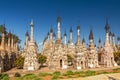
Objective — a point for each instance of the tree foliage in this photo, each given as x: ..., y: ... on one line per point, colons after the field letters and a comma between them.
x: 70, y: 59
x: 116, y: 55
x: 41, y: 58
x: 19, y: 62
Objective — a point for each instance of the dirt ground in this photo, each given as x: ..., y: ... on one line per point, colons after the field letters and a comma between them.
x: 113, y: 76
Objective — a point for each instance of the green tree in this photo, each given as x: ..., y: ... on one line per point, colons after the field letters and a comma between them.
x: 1, y: 28
x: 41, y: 59
x: 19, y: 62
x: 70, y: 59
x: 117, y: 57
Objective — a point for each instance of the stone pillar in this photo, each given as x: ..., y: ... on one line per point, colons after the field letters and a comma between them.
x: 83, y: 42
x: 107, y: 37
x: 16, y: 47
x: 9, y: 35
x: 107, y: 32
x: 59, y: 33
x: 12, y: 44
x: 118, y: 41
x: 65, y: 35
x: 27, y: 39
x: 32, y: 31
x: 78, y: 36
x: 54, y: 37
x: 71, y: 35
x: 51, y: 34
x: 3, y: 39
x: 113, y: 38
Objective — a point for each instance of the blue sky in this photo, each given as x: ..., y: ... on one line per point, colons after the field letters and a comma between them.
x: 16, y: 14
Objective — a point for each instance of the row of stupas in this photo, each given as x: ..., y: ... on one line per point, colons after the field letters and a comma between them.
x: 11, y: 45
x: 8, y: 50
x: 84, y: 56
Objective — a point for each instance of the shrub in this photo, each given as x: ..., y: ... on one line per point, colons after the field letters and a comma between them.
x: 69, y: 73
x: 55, y: 75
x: 19, y: 62
x: 17, y: 74
x: 90, y: 73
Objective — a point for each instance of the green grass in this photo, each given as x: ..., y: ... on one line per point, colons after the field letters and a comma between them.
x: 29, y: 77
x: 4, y: 77
x: 116, y: 69
x: 68, y: 73
x: 104, y: 72
x: 56, y: 75
x: 78, y: 72
x: 90, y: 73
x: 44, y: 74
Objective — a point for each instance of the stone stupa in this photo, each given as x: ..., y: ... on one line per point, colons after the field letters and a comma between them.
x: 31, y: 62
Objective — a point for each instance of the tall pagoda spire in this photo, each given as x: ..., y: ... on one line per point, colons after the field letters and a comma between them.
x: 32, y: 31
x: 65, y: 35
x: 9, y: 38
x: 83, y: 41
x: 107, y: 31
x: 27, y: 39
x: 71, y: 34
x: 78, y: 35
x: 113, y: 36
x: 107, y: 26
x: 51, y: 34
x: 91, y: 38
x: 58, y: 21
x: 91, y: 35
x: 99, y: 43
x: 3, y: 38
x: 110, y: 38
x: 118, y: 39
